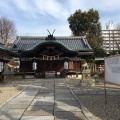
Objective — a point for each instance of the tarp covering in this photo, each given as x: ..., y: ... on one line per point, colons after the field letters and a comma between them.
x: 112, y: 69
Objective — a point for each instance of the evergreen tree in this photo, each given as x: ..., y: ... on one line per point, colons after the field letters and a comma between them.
x: 86, y: 23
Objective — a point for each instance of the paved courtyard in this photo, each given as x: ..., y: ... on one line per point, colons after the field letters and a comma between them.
x: 45, y: 99
x: 51, y: 99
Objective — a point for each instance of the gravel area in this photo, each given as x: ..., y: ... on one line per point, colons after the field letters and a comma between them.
x: 101, y: 111
x: 96, y: 103
x: 11, y: 88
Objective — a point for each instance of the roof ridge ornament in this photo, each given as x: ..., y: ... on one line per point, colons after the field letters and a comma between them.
x: 50, y: 36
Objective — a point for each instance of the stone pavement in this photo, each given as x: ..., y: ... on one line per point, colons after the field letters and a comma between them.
x: 45, y: 99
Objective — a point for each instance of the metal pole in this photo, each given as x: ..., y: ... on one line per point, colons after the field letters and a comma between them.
x: 105, y: 93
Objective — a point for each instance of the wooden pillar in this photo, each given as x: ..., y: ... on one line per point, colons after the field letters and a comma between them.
x: 20, y: 64
x: 68, y: 65
x: 55, y: 74
x: 24, y: 70
x: 76, y: 64
x: 2, y: 76
x: 95, y: 68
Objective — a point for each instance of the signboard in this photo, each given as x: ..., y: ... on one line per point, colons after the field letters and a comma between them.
x: 112, y: 69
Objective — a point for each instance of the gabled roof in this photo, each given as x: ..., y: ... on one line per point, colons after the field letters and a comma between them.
x: 74, y: 43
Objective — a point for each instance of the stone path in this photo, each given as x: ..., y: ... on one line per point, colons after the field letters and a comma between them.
x: 45, y: 99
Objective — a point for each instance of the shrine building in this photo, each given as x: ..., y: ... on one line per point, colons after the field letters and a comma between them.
x: 59, y: 56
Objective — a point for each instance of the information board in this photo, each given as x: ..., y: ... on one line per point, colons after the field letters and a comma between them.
x: 112, y: 69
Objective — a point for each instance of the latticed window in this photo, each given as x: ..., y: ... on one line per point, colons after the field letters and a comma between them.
x: 1, y: 66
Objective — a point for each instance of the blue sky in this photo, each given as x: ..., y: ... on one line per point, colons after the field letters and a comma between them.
x: 34, y: 17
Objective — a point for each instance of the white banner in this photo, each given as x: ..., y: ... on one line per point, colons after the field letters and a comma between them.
x: 112, y: 69
x: 65, y: 65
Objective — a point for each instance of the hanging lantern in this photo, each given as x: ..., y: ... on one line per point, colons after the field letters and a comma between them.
x: 34, y: 67
x: 65, y: 65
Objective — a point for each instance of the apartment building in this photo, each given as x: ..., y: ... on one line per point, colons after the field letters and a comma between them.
x: 111, y: 38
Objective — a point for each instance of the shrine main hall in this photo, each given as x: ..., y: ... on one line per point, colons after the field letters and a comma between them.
x: 52, y: 54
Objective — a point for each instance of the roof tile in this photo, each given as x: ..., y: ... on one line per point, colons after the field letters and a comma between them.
x: 74, y: 43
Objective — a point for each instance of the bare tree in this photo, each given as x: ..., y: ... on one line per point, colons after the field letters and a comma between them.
x: 7, y: 31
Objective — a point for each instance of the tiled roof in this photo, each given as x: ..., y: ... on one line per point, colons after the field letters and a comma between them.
x: 5, y: 50
x: 74, y: 43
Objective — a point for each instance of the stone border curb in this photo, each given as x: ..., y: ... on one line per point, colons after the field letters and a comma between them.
x: 84, y: 110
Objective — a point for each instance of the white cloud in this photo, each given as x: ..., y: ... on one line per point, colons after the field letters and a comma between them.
x: 35, y: 8
x: 21, y: 4
x: 104, y: 5
x: 107, y: 5
x: 26, y: 8
x: 60, y: 30
x: 5, y: 9
x: 75, y: 5
x: 51, y: 7
x: 108, y: 9
x: 38, y: 15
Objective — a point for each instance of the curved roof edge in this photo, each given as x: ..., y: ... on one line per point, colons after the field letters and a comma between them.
x: 36, y: 47
x: 54, y: 36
